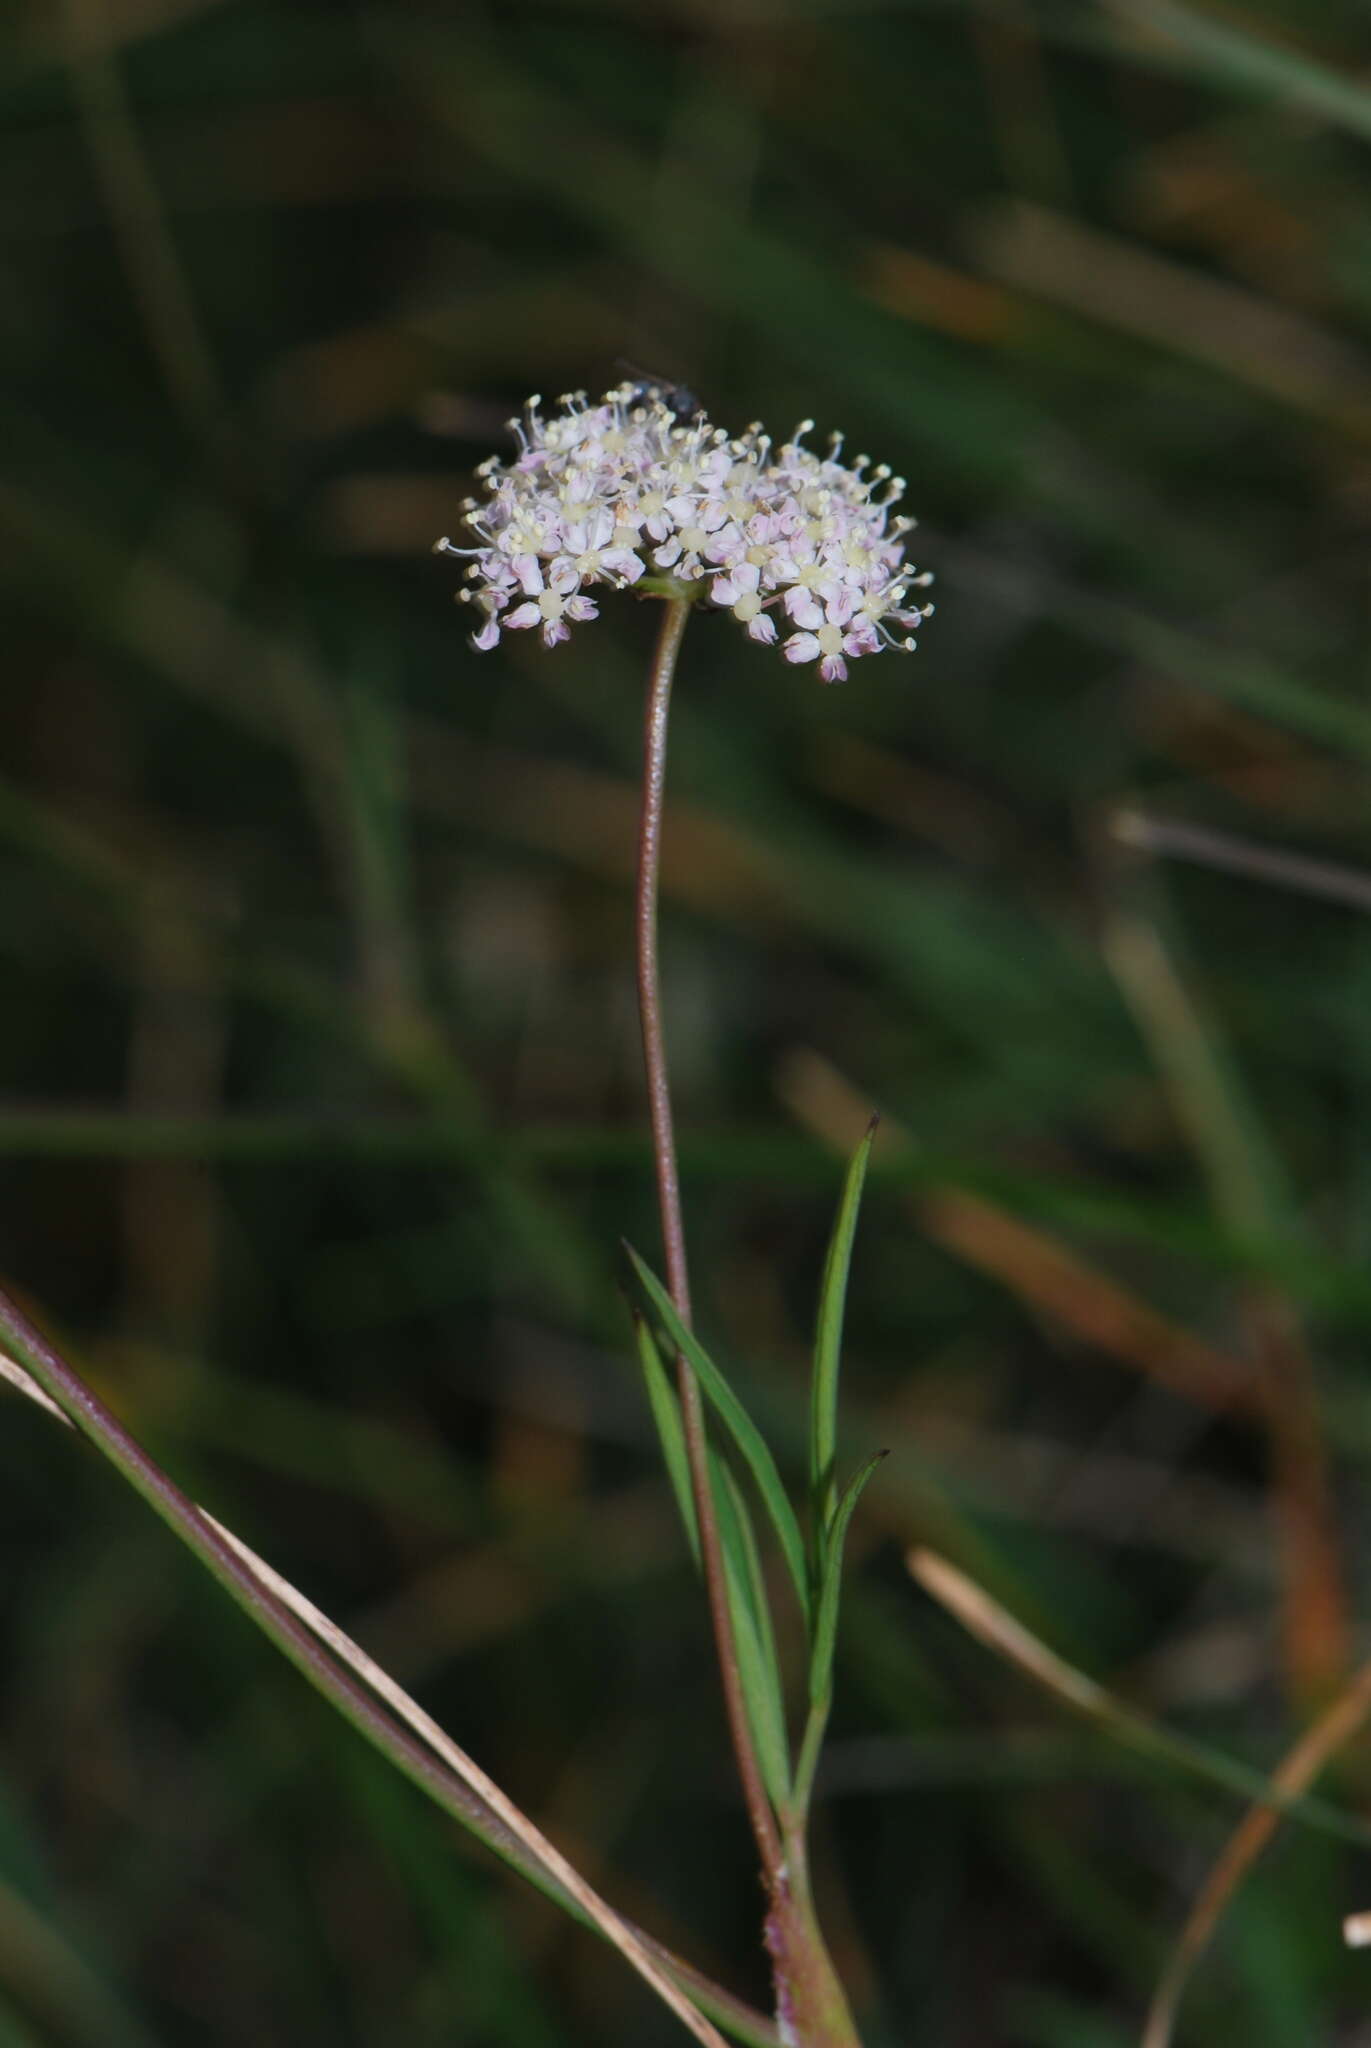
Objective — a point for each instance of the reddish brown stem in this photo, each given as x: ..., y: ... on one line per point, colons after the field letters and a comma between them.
x: 677, y: 611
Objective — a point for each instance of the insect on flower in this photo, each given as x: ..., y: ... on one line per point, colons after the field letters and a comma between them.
x: 644, y: 388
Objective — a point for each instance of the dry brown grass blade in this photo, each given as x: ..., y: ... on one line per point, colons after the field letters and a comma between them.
x: 983, y: 1616
x: 1292, y: 1778
x: 20, y: 1381
x: 1335, y: 881
x: 457, y: 1760
x: 447, y: 1751
x: 994, y: 1626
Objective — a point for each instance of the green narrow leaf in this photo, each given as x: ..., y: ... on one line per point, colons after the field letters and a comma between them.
x: 753, y: 1641
x: 721, y: 1473
x: 666, y: 1414
x: 826, y: 1617
x: 744, y: 1431
x: 828, y: 1338
x: 825, y: 1637
x: 749, y: 1610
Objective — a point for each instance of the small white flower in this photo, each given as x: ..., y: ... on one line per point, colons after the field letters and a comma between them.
x: 701, y: 535
x: 592, y: 554
x: 831, y: 638
x: 550, y: 604
x: 740, y: 591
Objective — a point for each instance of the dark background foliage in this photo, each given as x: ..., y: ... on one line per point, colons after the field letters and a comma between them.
x: 321, y: 1103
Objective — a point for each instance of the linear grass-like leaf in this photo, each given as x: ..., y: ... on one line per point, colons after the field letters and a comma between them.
x: 760, y: 1605
x: 666, y: 1414
x: 750, y: 1442
x: 830, y: 1587
x: 749, y: 1610
x: 753, y: 1639
x: 828, y: 1339
x: 826, y: 1636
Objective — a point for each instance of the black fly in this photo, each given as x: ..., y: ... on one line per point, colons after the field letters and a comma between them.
x: 645, y: 389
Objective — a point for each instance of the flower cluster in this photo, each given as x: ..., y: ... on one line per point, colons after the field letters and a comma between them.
x: 613, y: 492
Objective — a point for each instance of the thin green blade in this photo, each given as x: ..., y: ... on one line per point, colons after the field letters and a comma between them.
x: 830, y: 1588
x: 666, y: 1414
x: 828, y: 1338
x: 754, y: 1642
x: 739, y: 1424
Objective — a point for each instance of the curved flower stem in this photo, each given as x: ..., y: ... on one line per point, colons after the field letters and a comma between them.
x: 675, y: 615
x: 764, y: 1828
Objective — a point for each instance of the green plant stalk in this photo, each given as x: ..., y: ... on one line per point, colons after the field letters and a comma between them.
x: 811, y: 2006
x: 812, y: 2011
x: 84, y: 1409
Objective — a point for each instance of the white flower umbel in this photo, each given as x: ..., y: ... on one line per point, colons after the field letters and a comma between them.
x: 612, y: 492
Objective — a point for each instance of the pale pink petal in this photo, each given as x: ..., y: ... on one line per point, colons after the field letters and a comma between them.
x: 799, y: 647
x: 622, y: 562
x: 727, y: 541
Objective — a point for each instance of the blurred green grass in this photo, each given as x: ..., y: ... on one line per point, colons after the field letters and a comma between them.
x: 321, y: 1112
